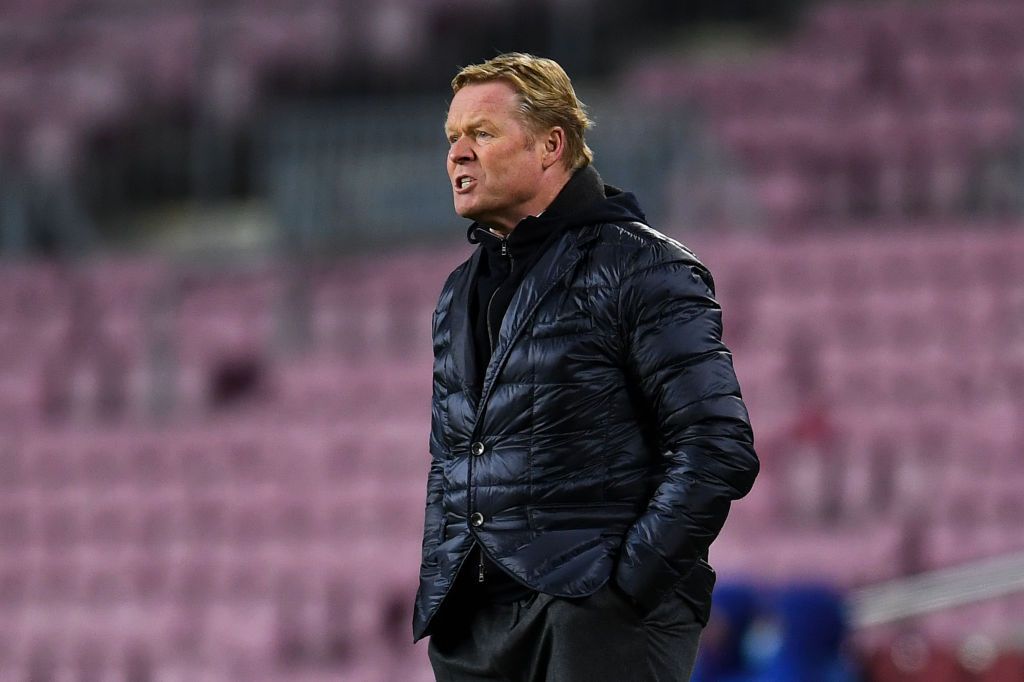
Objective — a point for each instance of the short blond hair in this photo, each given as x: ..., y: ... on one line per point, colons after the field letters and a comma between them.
x: 546, y: 97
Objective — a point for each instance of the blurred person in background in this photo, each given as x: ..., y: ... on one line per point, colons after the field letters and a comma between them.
x: 811, y: 631
x: 723, y: 655
x: 588, y: 433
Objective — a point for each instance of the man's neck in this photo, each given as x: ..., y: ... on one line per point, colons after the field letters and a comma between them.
x: 536, y: 207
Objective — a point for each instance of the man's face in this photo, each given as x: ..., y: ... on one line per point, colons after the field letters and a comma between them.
x: 494, y: 164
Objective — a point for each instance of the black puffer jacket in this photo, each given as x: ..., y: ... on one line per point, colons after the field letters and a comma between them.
x: 609, y: 435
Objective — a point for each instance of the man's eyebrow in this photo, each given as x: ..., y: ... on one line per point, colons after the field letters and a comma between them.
x: 471, y: 125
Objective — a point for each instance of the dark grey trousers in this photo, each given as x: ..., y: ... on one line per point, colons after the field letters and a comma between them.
x: 551, y: 639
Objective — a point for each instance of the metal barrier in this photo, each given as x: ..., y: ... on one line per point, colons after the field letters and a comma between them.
x: 937, y: 590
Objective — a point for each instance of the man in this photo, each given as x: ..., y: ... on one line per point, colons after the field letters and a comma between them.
x: 588, y: 433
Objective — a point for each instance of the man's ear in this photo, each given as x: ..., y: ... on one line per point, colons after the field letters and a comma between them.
x: 554, y: 146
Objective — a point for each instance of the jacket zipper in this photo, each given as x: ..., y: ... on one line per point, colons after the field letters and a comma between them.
x: 511, y: 268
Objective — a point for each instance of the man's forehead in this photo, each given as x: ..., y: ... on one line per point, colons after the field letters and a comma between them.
x: 476, y: 121
x: 481, y: 101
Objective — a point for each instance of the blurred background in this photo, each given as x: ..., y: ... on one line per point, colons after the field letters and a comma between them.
x: 223, y: 227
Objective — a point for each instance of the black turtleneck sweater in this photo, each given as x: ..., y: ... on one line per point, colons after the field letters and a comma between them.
x: 584, y: 200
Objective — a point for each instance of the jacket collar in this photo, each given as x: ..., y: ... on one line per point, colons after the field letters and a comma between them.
x: 583, y: 190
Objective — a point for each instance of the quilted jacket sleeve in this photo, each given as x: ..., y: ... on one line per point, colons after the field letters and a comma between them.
x: 672, y: 327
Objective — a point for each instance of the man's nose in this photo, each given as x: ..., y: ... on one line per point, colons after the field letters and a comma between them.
x: 460, y: 151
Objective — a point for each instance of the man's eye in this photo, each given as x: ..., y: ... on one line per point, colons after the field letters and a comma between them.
x: 452, y: 139
x: 482, y: 133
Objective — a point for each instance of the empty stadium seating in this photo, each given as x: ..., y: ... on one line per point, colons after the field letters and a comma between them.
x: 217, y: 472
x: 870, y: 111
x: 878, y: 369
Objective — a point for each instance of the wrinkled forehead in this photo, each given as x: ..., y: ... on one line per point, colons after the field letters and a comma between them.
x: 494, y: 101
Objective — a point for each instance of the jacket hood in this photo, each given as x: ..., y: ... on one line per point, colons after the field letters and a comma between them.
x: 616, y: 207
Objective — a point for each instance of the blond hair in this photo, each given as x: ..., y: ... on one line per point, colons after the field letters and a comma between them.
x: 546, y: 98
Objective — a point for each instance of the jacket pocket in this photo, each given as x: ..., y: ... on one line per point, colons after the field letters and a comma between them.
x: 577, y: 322
x: 575, y: 516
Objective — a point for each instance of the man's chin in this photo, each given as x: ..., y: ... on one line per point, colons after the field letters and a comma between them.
x: 466, y: 212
